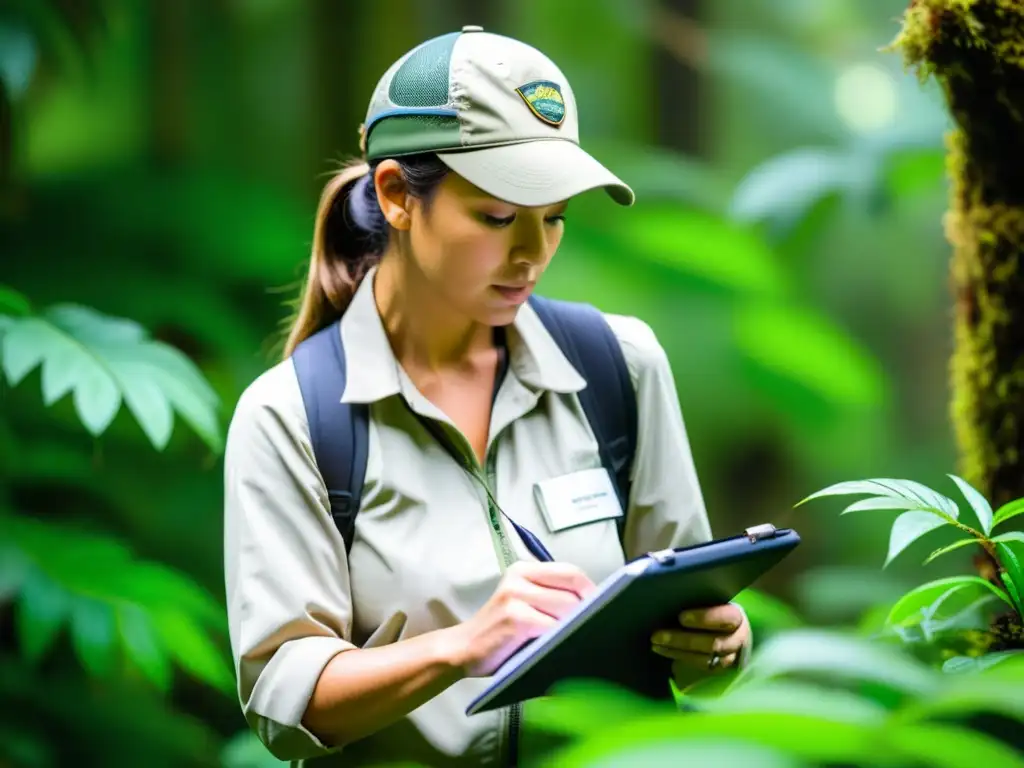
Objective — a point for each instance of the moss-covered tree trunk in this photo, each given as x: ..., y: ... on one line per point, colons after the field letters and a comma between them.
x: 975, y: 50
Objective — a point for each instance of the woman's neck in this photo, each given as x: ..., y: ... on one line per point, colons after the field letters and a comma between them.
x: 425, y: 333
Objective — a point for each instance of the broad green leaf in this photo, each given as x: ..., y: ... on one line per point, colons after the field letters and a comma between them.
x: 804, y: 346
x: 582, y: 707
x: 692, y: 751
x: 968, y: 694
x: 93, y: 634
x: 185, y: 389
x: 834, y: 742
x: 13, y: 303
x: 929, y: 497
x: 957, y: 611
x: 960, y: 664
x: 176, y: 590
x: 1013, y: 577
x: 1007, y: 511
x: 143, y: 646
x: 42, y: 610
x: 147, y: 402
x: 104, y: 567
x: 905, y: 494
x: 767, y: 612
x: 949, y: 548
x: 886, y: 503
x: 792, y: 697
x: 908, y: 609
x: 949, y: 746
x: 982, y: 509
x: 833, y: 654
x: 99, y: 329
x: 96, y: 398
x: 193, y: 650
x: 783, y: 189
x: 24, y: 346
x: 908, y: 528
x: 105, y: 360
x: 704, y: 245
x: 1012, y: 536
x: 66, y: 365
x: 93, y: 577
x: 176, y: 367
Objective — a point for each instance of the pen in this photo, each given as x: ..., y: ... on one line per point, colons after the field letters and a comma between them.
x: 532, y: 543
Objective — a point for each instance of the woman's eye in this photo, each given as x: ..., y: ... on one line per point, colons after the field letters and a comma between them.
x: 494, y: 221
x: 556, y: 219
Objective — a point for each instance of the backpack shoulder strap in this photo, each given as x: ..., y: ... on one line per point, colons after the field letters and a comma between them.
x: 608, y: 400
x: 338, y: 431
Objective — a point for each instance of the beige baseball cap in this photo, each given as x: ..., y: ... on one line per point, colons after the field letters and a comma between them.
x: 496, y: 111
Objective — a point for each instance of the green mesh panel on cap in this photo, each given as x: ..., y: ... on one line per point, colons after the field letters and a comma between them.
x: 410, y: 134
x: 422, y: 79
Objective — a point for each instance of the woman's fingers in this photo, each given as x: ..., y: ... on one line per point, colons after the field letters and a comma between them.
x: 554, y: 602
x: 718, y: 618
x: 704, y: 643
x: 553, y: 576
x: 695, y: 660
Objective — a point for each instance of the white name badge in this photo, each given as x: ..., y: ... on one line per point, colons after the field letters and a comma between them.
x: 577, y: 499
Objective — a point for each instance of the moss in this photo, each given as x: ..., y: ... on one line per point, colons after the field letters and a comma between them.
x: 975, y: 51
x: 935, y: 30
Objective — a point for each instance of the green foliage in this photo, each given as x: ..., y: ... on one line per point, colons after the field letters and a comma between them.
x: 807, y: 698
x: 108, y: 598
x: 124, y: 617
x: 190, y: 225
x: 950, y: 604
x: 105, y: 362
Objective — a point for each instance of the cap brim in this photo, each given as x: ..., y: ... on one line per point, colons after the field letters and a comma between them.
x: 536, y: 173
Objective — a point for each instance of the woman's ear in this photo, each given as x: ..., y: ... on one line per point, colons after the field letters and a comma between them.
x: 393, y: 194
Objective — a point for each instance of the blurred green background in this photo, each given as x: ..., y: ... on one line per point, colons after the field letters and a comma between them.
x: 162, y: 159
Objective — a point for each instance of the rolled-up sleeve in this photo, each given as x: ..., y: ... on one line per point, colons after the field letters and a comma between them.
x: 286, y: 572
x: 666, y: 504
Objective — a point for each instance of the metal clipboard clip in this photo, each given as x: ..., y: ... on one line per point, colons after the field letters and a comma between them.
x: 758, y: 532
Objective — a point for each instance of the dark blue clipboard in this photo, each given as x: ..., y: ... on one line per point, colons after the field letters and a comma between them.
x: 608, y: 635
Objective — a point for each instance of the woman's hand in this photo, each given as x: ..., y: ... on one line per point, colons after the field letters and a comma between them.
x: 711, y: 639
x: 530, y: 599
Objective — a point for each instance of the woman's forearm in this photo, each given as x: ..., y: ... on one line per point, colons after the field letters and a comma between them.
x: 362, y: 691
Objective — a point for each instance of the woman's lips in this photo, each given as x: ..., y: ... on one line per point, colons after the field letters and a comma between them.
x: 515, y: 294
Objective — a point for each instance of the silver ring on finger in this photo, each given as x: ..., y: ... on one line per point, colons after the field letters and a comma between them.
x: 714, y: 661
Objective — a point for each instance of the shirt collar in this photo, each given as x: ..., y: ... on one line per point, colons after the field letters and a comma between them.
x: 373, y: 372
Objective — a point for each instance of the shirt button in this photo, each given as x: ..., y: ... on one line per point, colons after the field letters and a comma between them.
x: 472, y: 28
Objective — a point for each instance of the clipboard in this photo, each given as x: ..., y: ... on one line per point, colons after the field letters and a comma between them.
x: 608, y: 635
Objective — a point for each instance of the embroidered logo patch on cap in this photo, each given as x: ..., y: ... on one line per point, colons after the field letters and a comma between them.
x: 545, y: 100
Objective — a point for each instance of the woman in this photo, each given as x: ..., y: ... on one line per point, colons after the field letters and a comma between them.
x: 371, y: 655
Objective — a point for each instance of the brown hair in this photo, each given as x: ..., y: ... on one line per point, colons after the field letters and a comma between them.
x: 349, y: 237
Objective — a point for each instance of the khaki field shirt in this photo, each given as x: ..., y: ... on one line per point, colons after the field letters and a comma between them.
x: 429, y: 549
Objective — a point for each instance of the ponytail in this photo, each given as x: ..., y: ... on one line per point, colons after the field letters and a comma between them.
x: 340, y: 256
x: 349, y: 237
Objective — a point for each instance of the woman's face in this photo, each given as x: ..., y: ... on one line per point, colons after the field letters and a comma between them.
x: 481, y: 255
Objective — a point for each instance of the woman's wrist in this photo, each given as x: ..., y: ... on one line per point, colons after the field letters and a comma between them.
x: 451, y: 650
